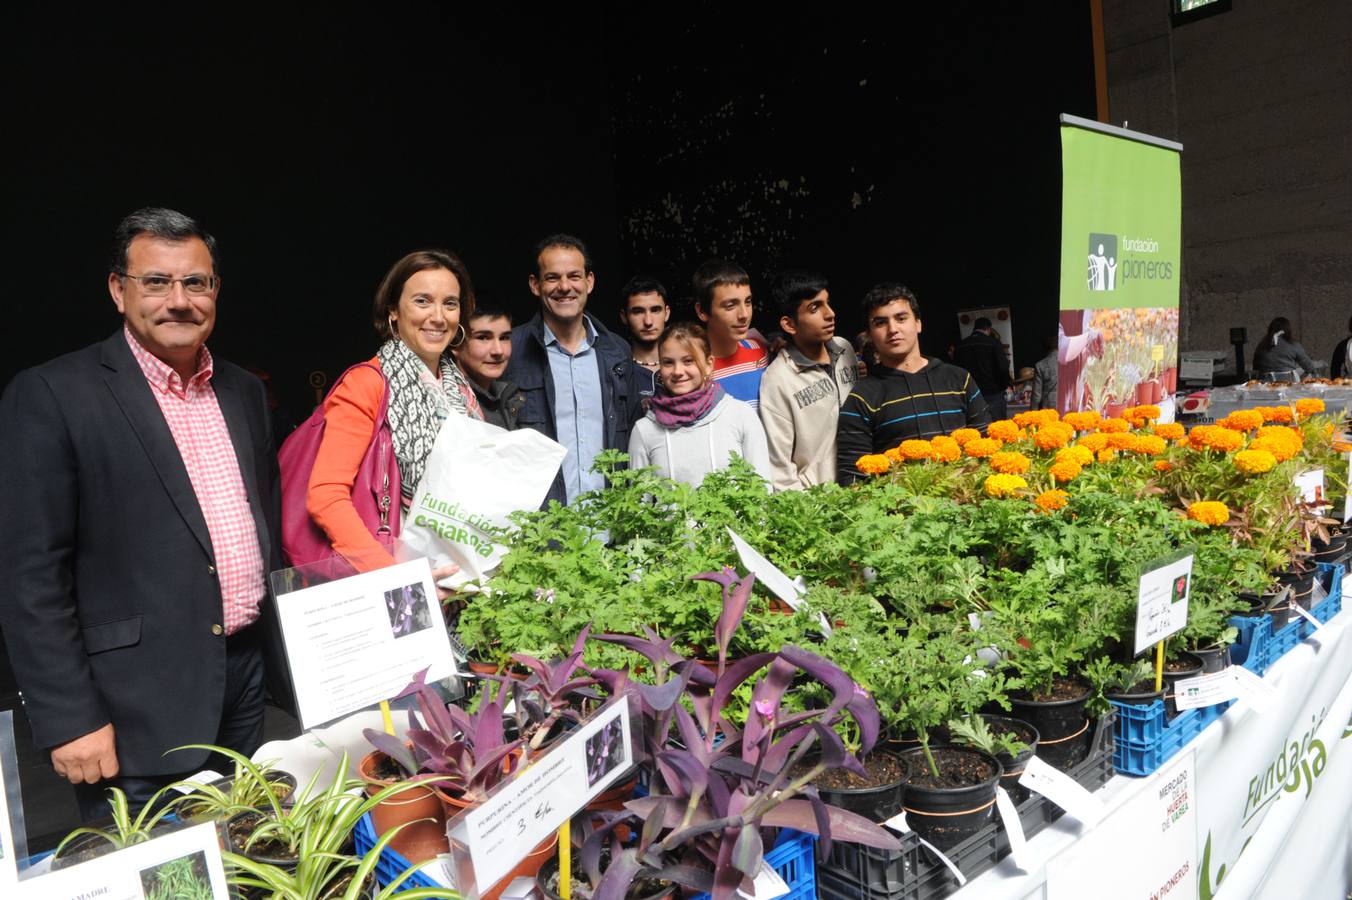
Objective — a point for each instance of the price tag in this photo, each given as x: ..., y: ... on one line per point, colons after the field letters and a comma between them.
x: 1253, y: 690
x: 898, y: 823
x: 1205, y: 690
x: 1062, y: 790
x: 1162, y: 598
x: 1013, y: 827
x: 1157, y: 352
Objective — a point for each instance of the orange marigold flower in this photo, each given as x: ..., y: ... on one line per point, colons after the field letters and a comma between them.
x: 1113, y: 426
x: 1036, y: 418
x: 1093, y: 442
x: 1163, y: 465
x: 914, y: 449
x: 1064, y: 470
x: 1242, y: 420
x: 1147, y: 411
x: 894, y: 454
x: 946, y: 449
x: 1283, y: 433
x: 1170, y: 431
x: 981, y: 447
x: 1281, y: 449
x: 1342, y: 447
x: 1254, y: 462
x: 1212, y: 437
x: 1082, y: 421
x: 1048, y: 501
x: 873, y: 464
x: 1004, y: 430
x: 1010, y: 462
x: 1107, y: 455
x: 1148, y: 444
x: 963, y: 435
x: 1209, y: 512
x: 1080, y: 455
x: 1004, y: 485
x: 1121, y: 441
x: 1276, y: 413
x: 1054, y: 435
x: 1308, y: 406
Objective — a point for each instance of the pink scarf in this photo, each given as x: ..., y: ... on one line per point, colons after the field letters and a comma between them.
x: 671, y: 411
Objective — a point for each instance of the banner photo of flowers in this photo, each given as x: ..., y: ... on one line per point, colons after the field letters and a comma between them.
x: 1112, y: 359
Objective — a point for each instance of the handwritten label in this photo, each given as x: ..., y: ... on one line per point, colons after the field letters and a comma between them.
x: 1018, y: 843
x: 1162, y: 599
x: 1062, y: 790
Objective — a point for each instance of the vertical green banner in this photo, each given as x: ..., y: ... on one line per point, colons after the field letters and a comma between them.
x: 1120, y: 248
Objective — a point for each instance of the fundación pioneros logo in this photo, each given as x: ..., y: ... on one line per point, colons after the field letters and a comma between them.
x: 1107, y: 270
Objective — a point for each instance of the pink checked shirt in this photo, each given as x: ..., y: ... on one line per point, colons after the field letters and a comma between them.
x: 195, y: 420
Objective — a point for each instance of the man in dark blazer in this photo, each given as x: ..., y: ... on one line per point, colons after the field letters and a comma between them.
x: 140, y: 518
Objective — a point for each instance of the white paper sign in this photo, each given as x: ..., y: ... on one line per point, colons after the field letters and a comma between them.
x: 529, y: 808
x: 356, y: 641
x: 184, y: 863
x: 1206, y: 690
x: 1162, y: 601
x: 1257, y: 692
x: 1311, y: 486
x: 1062, y: 790
x: 899, y: 823
x: 1009, y: 814
x: 779, y: 584
x: 1161, y: 816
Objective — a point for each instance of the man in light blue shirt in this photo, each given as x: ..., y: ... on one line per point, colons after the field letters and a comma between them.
x: 576, y: 377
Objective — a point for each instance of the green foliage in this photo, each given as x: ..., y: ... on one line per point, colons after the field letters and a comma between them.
x: 972, y: 731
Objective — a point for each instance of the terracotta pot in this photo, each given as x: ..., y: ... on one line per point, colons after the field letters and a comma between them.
x: 1142, y: 393
x: 1171, y: 379
x: 528, y: 867
x: 425, y: 837
x: 1156, y: 390
x: 1113, y: 409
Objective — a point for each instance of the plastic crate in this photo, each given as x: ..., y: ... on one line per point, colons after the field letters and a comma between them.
x: 1257, y: 648
x: 391, y: 864
x: 1145, y: 741
x: 1252, y: 648
x: 1331, y: 578
x: 794, y: 858
x: 853, y: 871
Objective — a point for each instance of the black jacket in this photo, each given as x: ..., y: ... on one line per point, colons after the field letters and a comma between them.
x: 501, y: 403
x: 620, y: 401
x: 984, y: 356
x: 890, y: 406
x: 1338, y: 365
x: 111, y: 607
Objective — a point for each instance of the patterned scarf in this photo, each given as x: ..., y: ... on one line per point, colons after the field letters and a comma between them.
x: 419, y: 404
x: 671, y: 411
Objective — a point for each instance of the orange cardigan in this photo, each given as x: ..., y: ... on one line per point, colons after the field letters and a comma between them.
x: 349, y: 424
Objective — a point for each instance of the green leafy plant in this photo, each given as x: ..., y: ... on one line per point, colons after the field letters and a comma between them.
x: 973, y: 731
x: 125, y: 831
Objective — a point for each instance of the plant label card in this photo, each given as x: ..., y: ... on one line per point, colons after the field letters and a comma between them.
x: 1161, y: 816
x: 358, y: 640
x: 1009, y: 815
x: 1255, y: 691
x: 769, y: 574
x: 1311, y: 486
x: 1206, y: 690
x: 524, y: 812
x: 1304, y: 614
x: 767, y: 886
x: 185, y: 863
x: 1162, y: 598
x: 1062, y: 790
x: 898, y: 823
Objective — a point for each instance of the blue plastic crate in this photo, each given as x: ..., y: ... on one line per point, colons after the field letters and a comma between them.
x: 391, y: 864
x: 793, y: 857
x: 1331, y: 577
x: 1144, y: 741
x: 1252, y: 648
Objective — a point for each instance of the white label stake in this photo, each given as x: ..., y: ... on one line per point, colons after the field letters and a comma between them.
x: 1257, y: 692
x: 1062, y: 790
x: 898, y: 823
x: 1013, y: 827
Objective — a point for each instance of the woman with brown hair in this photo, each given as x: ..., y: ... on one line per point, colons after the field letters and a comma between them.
x: 692, y: 427
x: 418, y: 311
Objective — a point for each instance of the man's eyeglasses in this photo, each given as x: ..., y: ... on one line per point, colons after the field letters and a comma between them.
x: 159, y: 285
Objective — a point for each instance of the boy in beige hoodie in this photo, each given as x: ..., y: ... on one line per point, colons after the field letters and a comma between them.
x: 803, y: 387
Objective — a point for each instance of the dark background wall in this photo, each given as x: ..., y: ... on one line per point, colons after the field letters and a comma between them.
x: 918, y: 145
x: 1261, y: 98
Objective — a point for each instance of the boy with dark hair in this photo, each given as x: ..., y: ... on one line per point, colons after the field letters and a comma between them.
x: 644, y: 309
x: 803, y: 388
x: 907, y: 395
x: 484, y: 355
x: 722, y: 293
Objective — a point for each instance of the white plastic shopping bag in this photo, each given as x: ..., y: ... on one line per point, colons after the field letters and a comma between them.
x: 476, y: 476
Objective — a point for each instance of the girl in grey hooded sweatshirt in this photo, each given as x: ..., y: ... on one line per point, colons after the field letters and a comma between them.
x: 692, y: 427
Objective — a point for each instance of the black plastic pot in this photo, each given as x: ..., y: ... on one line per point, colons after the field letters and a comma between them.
x: 1213, y: 658
x: 1301, y: 582
x: 1195, y: 668
x: 1138, y: 698
x: 1062, y: 727
x: 1272, y: 604
x: 82, y: 849
x: 252, y: 816
x: 947, y: 816
x: 1013, y: 766
x: 877, y: 804
x: 1331, y: 551
x: 551, y: 866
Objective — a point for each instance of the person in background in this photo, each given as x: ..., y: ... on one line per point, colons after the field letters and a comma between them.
x: 1077, y: 342
x: 693, y: 426
x: 417, y: 315
x: 983, y: 354
x: 645, y: 311
x: 1340, y: 366
x: 142, y: 519
x: 803, y: 387
x: 1279, y: 356
x: 576, y: 376
x: 907, y: 395
x: 863, y: 350
x: 722, y: 292
x: 1044, y: 378
x: 484, y: 356
x: 1021, y: 391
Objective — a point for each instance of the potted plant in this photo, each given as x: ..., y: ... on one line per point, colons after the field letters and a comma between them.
x: 223, y: 797
x: 1011, y: 741
x: 89, y: 842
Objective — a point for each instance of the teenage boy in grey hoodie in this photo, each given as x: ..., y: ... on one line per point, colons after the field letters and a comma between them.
x: 804, y: 386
